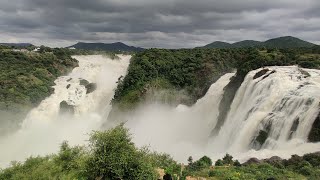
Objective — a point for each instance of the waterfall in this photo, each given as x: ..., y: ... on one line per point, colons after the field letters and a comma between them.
x: 44, y: 128
x: 272, y: 113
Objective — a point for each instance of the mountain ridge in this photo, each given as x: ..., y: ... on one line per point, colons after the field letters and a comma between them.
x: 279, y: 42
x: 17, y: 44
x: 116, y: 46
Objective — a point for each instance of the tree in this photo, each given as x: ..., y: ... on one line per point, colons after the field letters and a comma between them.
x: 227, y: 159
x: 114, y: 156
x: 190, y: 160
x: 237, y: 163
x: 219, y: 162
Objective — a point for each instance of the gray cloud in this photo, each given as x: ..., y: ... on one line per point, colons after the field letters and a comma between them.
x: 151, y: 23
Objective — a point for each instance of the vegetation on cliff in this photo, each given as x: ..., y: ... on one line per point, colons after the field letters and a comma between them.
x: 26, y: 78
x: 191, y: 71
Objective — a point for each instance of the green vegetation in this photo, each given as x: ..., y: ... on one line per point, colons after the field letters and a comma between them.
x: 191, y: 71
x: 306, y: 167
x: 109, y: 155
x: 112, y: 155
x: 26, y: 78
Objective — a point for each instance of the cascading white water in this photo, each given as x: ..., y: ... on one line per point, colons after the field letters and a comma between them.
x: 283, y: 98
x: 44, y: 129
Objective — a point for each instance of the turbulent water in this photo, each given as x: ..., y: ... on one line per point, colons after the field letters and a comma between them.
x: 44, y: 129
x: 283, y: 103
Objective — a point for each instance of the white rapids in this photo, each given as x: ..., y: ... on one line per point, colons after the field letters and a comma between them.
x: 44, y: 129
x: 282, y: 97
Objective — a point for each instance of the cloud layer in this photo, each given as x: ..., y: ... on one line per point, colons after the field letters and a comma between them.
x: 154, y: 23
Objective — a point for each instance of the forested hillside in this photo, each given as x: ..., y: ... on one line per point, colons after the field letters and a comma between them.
x: 26, y: 78
x: 192, y: 71
x: 180, y: 72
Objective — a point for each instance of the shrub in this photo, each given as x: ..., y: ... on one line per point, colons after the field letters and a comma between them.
x: 114, y: 156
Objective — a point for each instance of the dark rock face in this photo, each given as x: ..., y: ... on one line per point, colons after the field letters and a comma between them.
x: 65, y: 108
x: 294, y: 127
x: 84, y: 82
x: 314, y: 135
x: 91, y: 87
x: 274, y: 160
x: 260, y: 73
x: 226, y: 101
x: 263, y: 135
x: 269, y: 74
x: 252, y: 161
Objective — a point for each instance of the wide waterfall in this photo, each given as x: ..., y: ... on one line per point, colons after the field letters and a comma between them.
x: 271, y: 114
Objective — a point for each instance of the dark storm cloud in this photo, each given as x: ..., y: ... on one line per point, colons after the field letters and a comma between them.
x: 150, y: 23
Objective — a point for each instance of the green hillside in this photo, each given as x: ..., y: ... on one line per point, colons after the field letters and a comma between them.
x: 287, y: 42
x: 246, y: 43
x: 218, y: 44
x: 280, y: 43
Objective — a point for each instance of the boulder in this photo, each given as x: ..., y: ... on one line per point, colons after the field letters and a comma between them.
x: 260, y: 73
x: 65, y: 108
x: 83, y: 82
x: 91, y: 87
x: 252, y: 161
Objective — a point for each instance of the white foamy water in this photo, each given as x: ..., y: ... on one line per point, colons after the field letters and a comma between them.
x: 44, y: 129
x: 274, y: 101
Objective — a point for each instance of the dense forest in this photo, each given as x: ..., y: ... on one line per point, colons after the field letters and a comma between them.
x: 194, y: 70
x: 112, y: 155
x: 26, y: 78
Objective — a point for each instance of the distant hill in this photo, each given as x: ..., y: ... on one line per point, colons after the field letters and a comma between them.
x: 280, y: 42
x: 218, y: 44
x: 17, y: 44
x: 118, y: 46
x: 246, y: 43
x: 287, y: 42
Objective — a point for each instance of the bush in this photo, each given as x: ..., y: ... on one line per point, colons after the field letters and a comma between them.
x: 114, y: 156
x: 219, y: 162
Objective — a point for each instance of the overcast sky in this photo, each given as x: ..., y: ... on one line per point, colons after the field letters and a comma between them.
x: 156, y: 23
